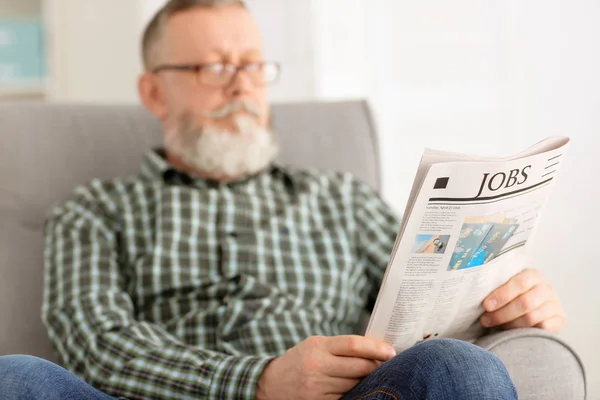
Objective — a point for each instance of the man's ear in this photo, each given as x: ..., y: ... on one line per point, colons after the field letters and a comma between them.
x: 151, y: 95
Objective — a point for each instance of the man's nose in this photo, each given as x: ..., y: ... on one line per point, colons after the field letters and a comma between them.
x: 240, y: 85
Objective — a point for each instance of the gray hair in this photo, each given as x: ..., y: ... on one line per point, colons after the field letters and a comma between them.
x: 154, y: 30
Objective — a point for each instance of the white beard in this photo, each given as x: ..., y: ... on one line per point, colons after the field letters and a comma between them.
x: 220, y: 153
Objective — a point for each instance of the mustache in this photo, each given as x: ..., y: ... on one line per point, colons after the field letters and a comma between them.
x: 234, y: 106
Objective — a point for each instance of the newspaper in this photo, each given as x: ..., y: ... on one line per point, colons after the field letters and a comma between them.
x: 467, y: 229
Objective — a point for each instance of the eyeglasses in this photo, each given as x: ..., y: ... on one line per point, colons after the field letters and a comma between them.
x: 221, y: 74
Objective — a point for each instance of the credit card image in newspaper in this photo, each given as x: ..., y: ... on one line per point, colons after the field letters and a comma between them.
x: 471, y: 236
x: 492, y: 244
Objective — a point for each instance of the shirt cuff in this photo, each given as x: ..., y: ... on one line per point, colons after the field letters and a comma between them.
x: 236, y: 377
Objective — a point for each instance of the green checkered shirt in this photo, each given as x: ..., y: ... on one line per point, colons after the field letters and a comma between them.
x: 166, y: 286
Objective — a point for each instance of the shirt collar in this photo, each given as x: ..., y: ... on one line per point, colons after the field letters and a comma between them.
x: 156, y: 167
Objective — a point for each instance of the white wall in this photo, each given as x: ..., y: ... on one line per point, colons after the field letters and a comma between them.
x: 442, y: 79
x: 93, y: 50
x: 287, y: 38
x: 340, y: 46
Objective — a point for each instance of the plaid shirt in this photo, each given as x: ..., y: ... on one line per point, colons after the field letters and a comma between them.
x: 165, y: 286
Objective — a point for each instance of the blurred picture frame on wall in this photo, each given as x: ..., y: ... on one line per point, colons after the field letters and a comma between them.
x: 21, y: 54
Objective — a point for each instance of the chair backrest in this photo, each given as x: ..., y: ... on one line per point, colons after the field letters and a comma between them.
x: 48, y: 149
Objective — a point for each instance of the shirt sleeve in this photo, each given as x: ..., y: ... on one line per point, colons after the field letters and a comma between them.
x: 91, y: 321
x: 376, y: 228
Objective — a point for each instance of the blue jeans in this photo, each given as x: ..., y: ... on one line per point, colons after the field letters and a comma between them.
x: 441, y: 369
x: 32, y: 378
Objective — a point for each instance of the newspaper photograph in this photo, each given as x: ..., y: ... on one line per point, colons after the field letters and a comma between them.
x: 467, y: 229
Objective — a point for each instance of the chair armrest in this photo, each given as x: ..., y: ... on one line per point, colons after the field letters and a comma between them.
x: 541, y: 365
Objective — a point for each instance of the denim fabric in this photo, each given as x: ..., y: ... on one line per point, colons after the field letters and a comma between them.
x: 442, y: 369
x: 32, y: 378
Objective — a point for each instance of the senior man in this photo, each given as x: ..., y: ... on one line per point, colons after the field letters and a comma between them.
x: 218, y: 274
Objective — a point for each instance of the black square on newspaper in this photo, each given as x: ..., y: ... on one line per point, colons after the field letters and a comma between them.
x: 441, y: 183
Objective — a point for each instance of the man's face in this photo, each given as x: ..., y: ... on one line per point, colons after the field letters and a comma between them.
x: 218, y: 130
x: 204, y: 36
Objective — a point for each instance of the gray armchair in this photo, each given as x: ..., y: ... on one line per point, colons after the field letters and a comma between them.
x: 46, y: 150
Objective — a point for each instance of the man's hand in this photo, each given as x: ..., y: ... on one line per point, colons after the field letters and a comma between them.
x: 321, y: 368
x: 526, y: 300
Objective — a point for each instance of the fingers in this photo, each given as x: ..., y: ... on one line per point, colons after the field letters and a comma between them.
x: 523, y: 307
x: 545, y: 312
x: 515, y: 287
x: 359, y: 346
x: 350, y: 367
x: 527, y: 300
x: 339, y: 386
x: 554, y: 324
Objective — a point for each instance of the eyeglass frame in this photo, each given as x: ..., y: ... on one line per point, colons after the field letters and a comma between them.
x: 198, y: 68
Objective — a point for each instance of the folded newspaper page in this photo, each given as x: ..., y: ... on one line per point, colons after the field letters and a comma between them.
x: 467, y: 229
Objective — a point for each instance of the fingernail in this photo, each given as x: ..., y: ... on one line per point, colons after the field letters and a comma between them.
x: 391, y: 352
x: 486, y: 321
x: 492, y: 303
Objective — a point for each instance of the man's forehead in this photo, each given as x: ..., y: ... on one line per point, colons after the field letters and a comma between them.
x: 219, y: 30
